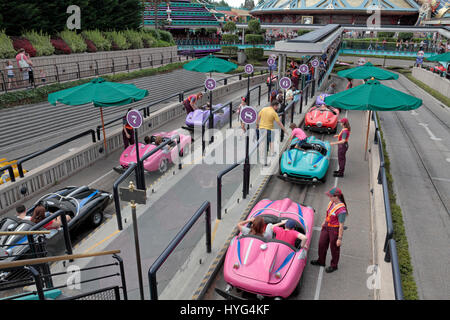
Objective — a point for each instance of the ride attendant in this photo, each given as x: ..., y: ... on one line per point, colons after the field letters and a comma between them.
x: 190, y: 102
x: 127, y: 132
x: 266, y: 117
x: 332, y: 230
x: 295, y: 77
x: 342, y: 143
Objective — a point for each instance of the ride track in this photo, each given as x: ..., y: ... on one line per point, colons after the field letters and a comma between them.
x: 414, y: 144
x: 275, y: 189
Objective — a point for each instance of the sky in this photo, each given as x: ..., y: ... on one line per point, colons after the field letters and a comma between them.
x: 235, y: 3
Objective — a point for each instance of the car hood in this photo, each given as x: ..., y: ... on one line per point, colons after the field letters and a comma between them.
x: 129, y: 154
x: 260, y: 260
x: 322, y: 116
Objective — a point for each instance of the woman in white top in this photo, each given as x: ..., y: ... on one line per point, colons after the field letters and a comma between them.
x: 10, y: 70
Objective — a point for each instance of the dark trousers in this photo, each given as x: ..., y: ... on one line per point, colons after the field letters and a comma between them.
x: 328, y: 237
x: 342, y: 150
x: 187, y: 107
x: 127, y: 141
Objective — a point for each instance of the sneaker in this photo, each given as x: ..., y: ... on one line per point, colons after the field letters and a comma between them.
x: 316, y: 263
x: 330, y: 269
x: 337, y: 174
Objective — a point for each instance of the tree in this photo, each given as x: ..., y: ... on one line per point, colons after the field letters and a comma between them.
x: 249, y: 4
x: 230, y: 26
x: 254, y: 26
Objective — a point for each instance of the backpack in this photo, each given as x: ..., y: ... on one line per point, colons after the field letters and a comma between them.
x: 22, y: 63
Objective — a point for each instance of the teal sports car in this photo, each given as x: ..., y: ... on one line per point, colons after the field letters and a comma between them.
x: 308, y: 164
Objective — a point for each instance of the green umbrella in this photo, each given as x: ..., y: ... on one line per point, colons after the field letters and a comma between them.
x: 210, y: 64
x: 101, y: 93
x: 445, y: 57
x: 373, y: 96
x: 367, y: 71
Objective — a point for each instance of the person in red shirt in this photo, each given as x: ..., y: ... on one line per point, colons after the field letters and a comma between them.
x: 39, y: 215
x: 288, y: 234
x: 332, y: 230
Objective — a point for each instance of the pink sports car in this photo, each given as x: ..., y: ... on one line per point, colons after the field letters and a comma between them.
x: 269, y: 267
x: 161, y: 159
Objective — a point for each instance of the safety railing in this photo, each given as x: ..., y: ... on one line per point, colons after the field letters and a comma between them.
x: 205, y: 209
x: 57, y: 145
x: 388, y: 46
x: 56, y: 73
x: 42, y: 291
x: 390, y: 248
x: 290, y: 108
x: 139, y: 174
x: 246, y: 171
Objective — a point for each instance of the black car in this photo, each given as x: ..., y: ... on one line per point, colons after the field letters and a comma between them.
x: 83, y: 204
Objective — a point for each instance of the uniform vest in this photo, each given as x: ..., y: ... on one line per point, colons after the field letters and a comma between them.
x: 332, y: 218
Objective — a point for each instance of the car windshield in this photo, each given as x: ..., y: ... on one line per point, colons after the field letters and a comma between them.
x: 69, y: 205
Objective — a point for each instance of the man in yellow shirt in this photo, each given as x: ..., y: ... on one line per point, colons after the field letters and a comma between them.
x: 265, y: 120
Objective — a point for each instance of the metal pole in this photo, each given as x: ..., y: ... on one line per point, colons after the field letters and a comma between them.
x: 211, y: 118
x: 270, y: 85
x: 246, y: 180
x: 140, y: 179
x: 138, y: 252
x: 67, y: 240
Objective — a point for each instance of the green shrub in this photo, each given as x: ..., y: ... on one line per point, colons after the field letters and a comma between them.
x: 405, y: 36
x: 230, y: 38
x: 254, y: 53
x: 166, y: 36
x: 230, y: 26
x: 303, y: 31
x: 41, y: 42
x: 254, y: 26
x: 100, y: 42
x: 6, y: 46
x: 134, y: 38
x: 161, y: 43
x: 385, y: 35
x: 75, y: 41
x: 230, y: 50
x: 147, y: 39
x: 118, y: 40
x: 254, y: 38
x: 153, y: 32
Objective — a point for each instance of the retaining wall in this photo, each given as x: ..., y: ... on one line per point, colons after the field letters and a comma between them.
x: 432, y: 80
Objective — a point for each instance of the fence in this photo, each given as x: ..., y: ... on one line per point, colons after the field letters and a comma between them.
x: 57, y: 73
x: 389, y: 245
x: 110, y: 293
x: 205, y: 208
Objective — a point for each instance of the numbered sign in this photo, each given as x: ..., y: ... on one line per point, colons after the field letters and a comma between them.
x: 361, y: 61
x: 248, y: 68
x: 210, y: 84
x: 270, y: 61
x: 303, y: 69
x: 248, y: 115
x: 285, y: 83
x: 315, y: 63
x: 134, y: 118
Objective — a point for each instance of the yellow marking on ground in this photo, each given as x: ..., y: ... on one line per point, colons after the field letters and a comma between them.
x: 100, y: 242
x: 213, y: 235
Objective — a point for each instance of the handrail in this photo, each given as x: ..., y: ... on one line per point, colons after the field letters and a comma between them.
x: 229, y: 169
x: 116, y: 184
x: 389, y: 244
x: 59, y: 144
x: 204, y: 208
x: 22, y: 233
x: 31, y: 262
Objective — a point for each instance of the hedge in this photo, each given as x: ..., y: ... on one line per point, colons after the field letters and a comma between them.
x: 75, y: 41
x: 6, y: 46
x: 254, y: 38
x: 61, y: 46
x: 100, y: 42
x: 166, y: 36
x: 303, y: 31
x: 147, y: 39
x: 230, y: 38
x: 41, y: 42
x: 254, y: 53
x: 20, y: 42
x: 118, y: 40
x: 134, y: 38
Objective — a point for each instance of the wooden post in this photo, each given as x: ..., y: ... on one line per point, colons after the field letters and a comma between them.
x: 367, y: 135
x: 103, y: 127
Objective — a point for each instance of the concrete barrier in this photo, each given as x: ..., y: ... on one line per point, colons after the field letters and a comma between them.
x: 433, y: 80
x: 63, y: 167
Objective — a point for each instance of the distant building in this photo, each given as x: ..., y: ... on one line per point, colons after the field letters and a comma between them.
x: 393, y: 12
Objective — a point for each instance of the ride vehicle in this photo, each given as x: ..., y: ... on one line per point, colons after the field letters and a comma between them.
x: 308, y: 164
x: 197, y: 117
x: 322, y: 118
x: 161, y: 159
x: 438, y: 69
x: 84, y: 205
x: 268, y: 267
x: 4, y: 177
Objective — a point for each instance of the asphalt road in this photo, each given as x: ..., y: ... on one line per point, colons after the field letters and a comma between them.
x: 418, y: 143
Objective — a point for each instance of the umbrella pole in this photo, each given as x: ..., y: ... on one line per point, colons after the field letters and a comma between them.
x: 103, y: 127
x: 367, y: 135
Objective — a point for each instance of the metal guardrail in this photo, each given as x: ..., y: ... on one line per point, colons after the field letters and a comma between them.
x: 389, y: 245
x: 205, y: 208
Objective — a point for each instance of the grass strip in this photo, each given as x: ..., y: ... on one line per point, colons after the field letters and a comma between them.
x: 40, y: 94
x: 404, y: 258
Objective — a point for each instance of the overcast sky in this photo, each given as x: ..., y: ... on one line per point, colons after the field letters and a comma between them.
x: 235, y: 3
